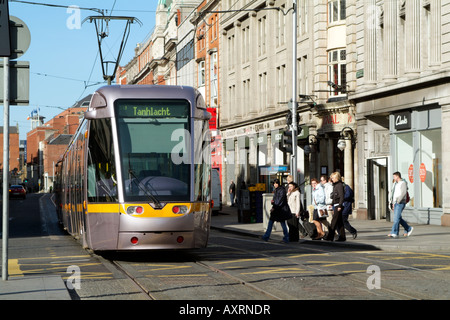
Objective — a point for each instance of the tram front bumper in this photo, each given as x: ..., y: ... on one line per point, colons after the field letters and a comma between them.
x: 156, y: 240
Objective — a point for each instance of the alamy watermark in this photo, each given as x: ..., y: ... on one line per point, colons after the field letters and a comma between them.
x: 74, y: 280
x: 374, y: 280
x: 74, y: 19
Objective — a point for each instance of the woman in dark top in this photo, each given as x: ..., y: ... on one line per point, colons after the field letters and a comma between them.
x: 337, y: 224
x: 280, y: 212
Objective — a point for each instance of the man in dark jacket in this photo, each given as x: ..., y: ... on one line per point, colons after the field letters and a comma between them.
x: 337, y: 224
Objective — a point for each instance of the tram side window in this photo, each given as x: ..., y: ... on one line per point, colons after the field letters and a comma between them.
x: 102, y: 185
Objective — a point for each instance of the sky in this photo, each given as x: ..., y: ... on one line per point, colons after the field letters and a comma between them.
x: 63, y: 53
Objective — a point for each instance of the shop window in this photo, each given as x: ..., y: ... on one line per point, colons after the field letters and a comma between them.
x: 430, y: 169
x: 405, y: 159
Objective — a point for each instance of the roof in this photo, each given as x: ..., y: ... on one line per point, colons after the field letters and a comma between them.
x: 62, y: 139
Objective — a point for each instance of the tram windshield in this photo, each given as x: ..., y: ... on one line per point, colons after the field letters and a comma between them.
x: 146, y: 129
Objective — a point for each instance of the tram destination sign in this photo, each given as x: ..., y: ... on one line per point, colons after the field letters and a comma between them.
x: 152, y: 109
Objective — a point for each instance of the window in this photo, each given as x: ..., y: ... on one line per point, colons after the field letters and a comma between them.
x: 263, y: 91
x: 281, y: 83
x: 201, y: 38
x: 231, y: 53
x: 262, y: 33
x: 246, y: 44
x: 430, y: 169
x: 201, y: 74
x: 302, y: 78
x: 336, y: 10
x: 404, y: 156
x: 337, y: 71
x: 101, y: 173
x: 213, y: 79
x: 185, y: 55
x: 153, y: 167
x: 281, y: 26
x: 246, y: 92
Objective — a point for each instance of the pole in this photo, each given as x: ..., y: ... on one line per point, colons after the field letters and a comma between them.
x: 294, y: 94
x: 5, y: 169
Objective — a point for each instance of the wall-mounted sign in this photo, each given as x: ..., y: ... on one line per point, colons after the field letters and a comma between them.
x: 402, y: 120
x: 411, y: 173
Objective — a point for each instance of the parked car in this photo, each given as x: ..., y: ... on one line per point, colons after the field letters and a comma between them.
x: 17, y: 191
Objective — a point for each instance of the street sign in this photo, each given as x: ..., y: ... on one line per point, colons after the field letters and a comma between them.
x: 19, y: 83
x: 20, y: 37
x: 5, y: 43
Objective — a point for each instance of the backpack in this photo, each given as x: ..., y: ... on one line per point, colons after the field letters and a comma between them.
x: 407, y: 197
x: 349, y: 195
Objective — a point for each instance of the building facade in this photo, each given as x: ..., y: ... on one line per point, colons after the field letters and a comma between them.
x: 402, y: 100
x: 44, y: 147
x: 257, y: 83
x: 372, y: 83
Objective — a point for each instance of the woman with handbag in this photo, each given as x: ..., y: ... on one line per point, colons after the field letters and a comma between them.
x: 320, y: 208
x: 280, y: 212
x: 293, y: 197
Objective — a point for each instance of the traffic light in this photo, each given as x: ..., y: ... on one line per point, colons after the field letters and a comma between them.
x: 286, y: 144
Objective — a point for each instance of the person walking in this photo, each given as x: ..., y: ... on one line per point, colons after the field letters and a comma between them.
x: 397, y: 204
x: 320, y: 208
x: 328, y: 189
x: 293, y: 197
x: 232, y: 192
x: 280, y: 212
x: 349, y: 198
x: 337, y: 223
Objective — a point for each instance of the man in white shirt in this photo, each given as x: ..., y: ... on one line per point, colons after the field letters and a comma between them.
x: 397, y: 204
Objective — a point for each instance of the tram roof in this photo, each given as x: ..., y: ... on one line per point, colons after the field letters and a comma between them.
x: 102, y: 101
x: 147, y: 91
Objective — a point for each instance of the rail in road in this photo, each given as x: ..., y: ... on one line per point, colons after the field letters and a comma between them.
x: 232, y: 267
x: 242, y: 268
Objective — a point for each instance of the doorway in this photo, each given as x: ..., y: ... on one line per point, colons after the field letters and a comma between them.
x: 377, y: 189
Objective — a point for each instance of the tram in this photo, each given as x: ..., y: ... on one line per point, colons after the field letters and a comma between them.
x: 136, y: 174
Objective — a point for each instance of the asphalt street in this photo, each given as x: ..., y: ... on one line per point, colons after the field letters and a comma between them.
x: 236, y: 265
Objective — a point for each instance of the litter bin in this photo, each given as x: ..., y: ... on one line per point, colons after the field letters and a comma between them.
x: 244, y: 211
x: 267, y: 205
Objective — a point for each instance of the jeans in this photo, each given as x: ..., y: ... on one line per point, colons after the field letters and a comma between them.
x: 266, y: 235
x: 398, y: 220
x: 232, y: 199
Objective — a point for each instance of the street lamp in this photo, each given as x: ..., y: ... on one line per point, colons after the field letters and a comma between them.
x: 345, y: 135
x: 314, y: 141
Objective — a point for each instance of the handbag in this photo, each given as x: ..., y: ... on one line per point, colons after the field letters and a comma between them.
x: 322, y: 213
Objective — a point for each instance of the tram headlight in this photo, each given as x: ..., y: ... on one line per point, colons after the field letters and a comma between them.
x: 135, y: 210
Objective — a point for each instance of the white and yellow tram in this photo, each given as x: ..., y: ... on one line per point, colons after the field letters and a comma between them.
x: 136, y: 175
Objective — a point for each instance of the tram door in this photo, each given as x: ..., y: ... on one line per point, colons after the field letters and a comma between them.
x: 377, y: 189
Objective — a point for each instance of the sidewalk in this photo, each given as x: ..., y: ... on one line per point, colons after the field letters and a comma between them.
x: 34, y: 288
x: 372, y: 234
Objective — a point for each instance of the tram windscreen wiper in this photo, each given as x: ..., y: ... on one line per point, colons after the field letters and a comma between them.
x: 144, y: 189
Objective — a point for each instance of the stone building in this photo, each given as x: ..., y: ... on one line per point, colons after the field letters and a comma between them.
x: 402, y: 99
x: 257, y: 83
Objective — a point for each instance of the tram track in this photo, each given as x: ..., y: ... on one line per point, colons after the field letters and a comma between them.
x: 118, y: 270
x: 361, y: 283
x: 240, y: 280
x: 195, y: 274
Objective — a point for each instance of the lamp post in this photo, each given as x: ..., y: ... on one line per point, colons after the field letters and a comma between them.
x: 294, y: 92
x: 347, y: 135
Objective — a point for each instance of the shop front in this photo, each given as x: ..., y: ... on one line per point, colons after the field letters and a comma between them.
x: 416, y: 152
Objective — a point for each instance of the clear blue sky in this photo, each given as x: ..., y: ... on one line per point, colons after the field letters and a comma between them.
x: 63, y: 55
